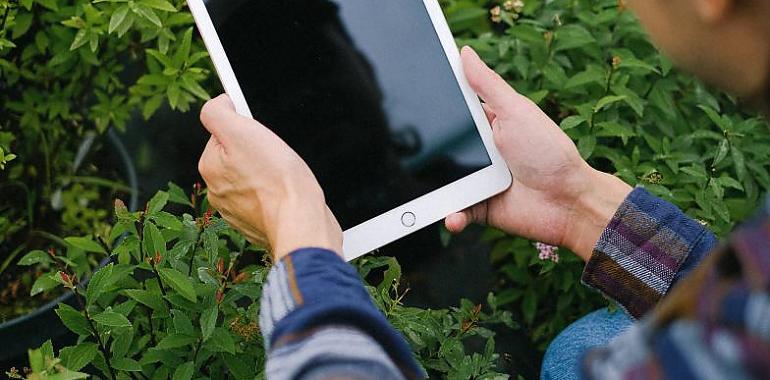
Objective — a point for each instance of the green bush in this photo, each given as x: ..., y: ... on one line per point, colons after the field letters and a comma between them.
x: 180, y: 300
x: 69, y: 71
x: 591, y: 68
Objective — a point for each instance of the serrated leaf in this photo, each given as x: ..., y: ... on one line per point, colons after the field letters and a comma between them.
x: 77, y: 357
x: 157, y: 203
x: 722, y: 150
x: 177, y: 195
x: 606, y: 101
x: 175, y: 341
x: 85, y: 243
x: 126, y: 364
x: 179, y: 282
x: 44, y: 283
x: 184, y: 371
x: 98, y: 283
x: 35, y: 257
x: 73, y: 319
x: 209, y: 321
x: 154, y: 243
x: 221, y: 341
x: 112, y: 319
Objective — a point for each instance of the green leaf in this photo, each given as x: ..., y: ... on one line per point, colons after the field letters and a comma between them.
x: 572, y: 122
x: 161, y: 5
x: 98, y: 282
x: 35, y: 257
x: 184, y: 49
x: 154, y: 243
x: 606, y: 101
x: 147, y: 298
x: 117, y: 18
x: 184, y: 371
x: 151, y: 105
x: 194, y: 88
x: 175, y: 341
x: 586, y: 146
x: 721, y: 122
x: 148, y: 14
x: 85, y: 243
x: 77, y: 357
x: 22, y: 23
x: 157, y: 203
x: 126, y: 364
x: 177, y: 195
x: 79, y: 40
x: 44, y: 283
x: 722, y: 150
x: 182, y: 323
x: 571, y: 37
x: 73, y: 319
x: 112, y: 319
x: 209, y: 321
x: 221, y: 341
x: 179, y: 282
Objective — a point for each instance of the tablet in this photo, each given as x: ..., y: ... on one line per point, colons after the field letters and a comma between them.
x: 371, y: 94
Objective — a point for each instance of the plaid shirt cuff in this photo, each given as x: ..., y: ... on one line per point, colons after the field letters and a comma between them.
x: 643, y: 250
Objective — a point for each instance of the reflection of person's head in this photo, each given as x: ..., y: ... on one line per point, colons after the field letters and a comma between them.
x: 726, y: 42
x: 311, y: 85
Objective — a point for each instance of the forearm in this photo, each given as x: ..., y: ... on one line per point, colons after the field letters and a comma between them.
x: 647, y: 246
x: 317, y: 319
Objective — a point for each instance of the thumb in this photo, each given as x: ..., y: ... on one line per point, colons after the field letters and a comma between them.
x: 490, y: 86
x: 218, y: 116
x: 457, y: 222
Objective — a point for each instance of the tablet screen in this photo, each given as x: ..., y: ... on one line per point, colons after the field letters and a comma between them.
x: 361, y: 89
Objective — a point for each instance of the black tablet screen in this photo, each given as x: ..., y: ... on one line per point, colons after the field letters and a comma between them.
x: 361, y: 89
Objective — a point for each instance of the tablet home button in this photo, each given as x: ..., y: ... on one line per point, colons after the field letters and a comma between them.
x: 408, y: 219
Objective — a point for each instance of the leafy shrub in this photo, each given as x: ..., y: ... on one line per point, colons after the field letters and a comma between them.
x: 589, y: 65
x: 179, y: 299
x: 69, y: 70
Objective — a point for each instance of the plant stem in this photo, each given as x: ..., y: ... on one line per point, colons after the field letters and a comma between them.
x: 198, y: 242
x: 94, y: 332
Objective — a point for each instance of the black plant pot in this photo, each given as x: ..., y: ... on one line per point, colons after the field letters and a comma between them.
x: 31, y: 330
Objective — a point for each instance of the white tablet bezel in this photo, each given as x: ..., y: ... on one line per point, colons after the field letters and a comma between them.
x: 428, y: 208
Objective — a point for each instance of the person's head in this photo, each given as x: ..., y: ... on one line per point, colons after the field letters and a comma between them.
x: 725, y: 42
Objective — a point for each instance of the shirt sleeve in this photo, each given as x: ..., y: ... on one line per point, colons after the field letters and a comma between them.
x: 319, y: 322
x: 647, y: 247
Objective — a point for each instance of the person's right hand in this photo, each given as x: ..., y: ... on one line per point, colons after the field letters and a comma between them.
x: 556, y: 197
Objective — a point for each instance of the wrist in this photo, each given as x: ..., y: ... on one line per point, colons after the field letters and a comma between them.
x: 594, y: 209
x: 304, y: 223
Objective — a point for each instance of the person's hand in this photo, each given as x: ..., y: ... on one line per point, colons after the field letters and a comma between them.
x: 261, y: 186
x: 556, y: 197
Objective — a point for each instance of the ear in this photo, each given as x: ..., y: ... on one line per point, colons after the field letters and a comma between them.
x: 712, y: 11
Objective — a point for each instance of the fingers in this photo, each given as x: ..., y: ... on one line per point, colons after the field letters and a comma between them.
x: 208, y: 164
x: 457, y: 222
x: 492, y: 88
x: 218, y: 116
x: 489, y: 113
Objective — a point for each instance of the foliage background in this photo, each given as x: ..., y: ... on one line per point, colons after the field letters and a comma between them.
x: 73, y: 67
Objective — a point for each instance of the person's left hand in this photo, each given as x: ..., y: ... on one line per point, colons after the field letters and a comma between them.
x: 261, y: 186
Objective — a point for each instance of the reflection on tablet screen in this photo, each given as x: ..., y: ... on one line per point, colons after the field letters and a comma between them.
x: 361, y: 89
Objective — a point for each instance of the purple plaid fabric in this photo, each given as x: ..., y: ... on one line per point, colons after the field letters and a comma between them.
x: 714, y: 324
x: 648, y: 245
